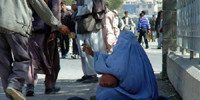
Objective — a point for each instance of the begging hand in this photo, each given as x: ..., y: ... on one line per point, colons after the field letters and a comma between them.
x: 87, y: 49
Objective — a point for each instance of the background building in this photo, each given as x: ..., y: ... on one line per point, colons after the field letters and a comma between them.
x: 136, y: 6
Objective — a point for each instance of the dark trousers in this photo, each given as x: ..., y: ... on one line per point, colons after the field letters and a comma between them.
x: 14, y: 61
x: 144, y: 34
x: 64, y: 44
x: 75, y: 47
x: 49, y: 57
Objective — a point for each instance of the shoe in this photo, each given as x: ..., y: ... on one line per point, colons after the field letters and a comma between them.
x: 63, y: 57
x: 66, y: 55
x: 147, y: 47
x: 17, y: 95
x: 83, y: 78
x: 73, y: 56
x: 159, y: 48
x: 91, y: 79
x: 30, y: 90
x: 93, y: 98
x: 52, y: 90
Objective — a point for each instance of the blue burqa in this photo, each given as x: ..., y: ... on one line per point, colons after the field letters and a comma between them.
x: 130, y: 64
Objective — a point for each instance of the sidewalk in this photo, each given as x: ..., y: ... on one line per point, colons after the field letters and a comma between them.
x: 71, y: 70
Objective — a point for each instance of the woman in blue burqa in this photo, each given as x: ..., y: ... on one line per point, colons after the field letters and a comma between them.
x: 130, y: 66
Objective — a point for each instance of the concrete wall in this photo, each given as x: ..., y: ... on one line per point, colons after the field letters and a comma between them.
x: 184, y: 74
x: 169, y: 31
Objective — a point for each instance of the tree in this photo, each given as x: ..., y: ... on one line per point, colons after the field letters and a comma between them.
x: 115, y: 4
x: 69, y: 2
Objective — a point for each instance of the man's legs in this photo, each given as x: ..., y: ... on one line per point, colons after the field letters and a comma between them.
x: 38, y: 60
x: 62, y: 47
x: 140, y: 37
x: 145, y: 35
x: 95, y: 41
x: 50, y: 79
x: 75, y: 49
x: 5, y: 62
x: 66, y: 38
x: 87, y: 66
x: 160, y: 41
x: 13, y: 78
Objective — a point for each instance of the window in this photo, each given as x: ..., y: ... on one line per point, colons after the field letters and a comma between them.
x: 144, y: 6
x: 149, y: 6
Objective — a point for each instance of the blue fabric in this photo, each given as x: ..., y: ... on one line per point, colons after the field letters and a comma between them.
x: 130, y: 64
x: 143, y: 23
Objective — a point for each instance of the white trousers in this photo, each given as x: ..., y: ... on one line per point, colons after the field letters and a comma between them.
x: 95, y: 41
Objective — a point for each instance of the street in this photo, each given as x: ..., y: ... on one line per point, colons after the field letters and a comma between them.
x: 71, y: 70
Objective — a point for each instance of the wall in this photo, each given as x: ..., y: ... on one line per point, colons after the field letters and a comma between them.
x: 181, y: 27
x: 184, y: 74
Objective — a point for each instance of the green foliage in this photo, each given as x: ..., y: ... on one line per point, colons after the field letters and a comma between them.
x: 114, y: 4
x: 69, y: 2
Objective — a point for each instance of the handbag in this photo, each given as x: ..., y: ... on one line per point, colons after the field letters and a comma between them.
x: 86, y: 24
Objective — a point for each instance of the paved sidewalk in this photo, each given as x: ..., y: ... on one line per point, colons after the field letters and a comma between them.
x: 71, y: 70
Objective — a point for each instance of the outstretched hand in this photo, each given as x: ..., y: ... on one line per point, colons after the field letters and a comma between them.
x: 64, y: 30
x: 87, y: 50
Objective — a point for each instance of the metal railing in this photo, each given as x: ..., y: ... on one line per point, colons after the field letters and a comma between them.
x: 188, y: 25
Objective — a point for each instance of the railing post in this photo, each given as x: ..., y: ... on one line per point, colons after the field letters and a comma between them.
x: 191, y: 55
x: 199, y: 57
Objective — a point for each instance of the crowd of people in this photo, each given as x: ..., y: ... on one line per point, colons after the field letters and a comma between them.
x: 106, y: 44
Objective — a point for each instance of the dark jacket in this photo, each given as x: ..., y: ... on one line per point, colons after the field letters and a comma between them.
x: 66, y: 19
x: 39, y: 25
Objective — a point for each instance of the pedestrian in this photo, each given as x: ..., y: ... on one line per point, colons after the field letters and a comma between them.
x: 64, y: 39
x: 159, y: 28
x: 15, y: 29
x: 110, y: 30
x: 149, y: 35
x: 129, y: 24
x: 118, y: 22
x: 153, y: 29
x: 49, y: 64
x: 143, y: 29
x: 93, y: 38
x: 75, y: 53
x: 134, y: 81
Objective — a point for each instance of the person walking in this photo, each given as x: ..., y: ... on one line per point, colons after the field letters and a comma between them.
x: 47, y: 55
x: 15, y: 29
x: 128, y: 22
x: 110, y: 30
x: 118, y: 22
x: 159, y: 28
x: 143, y: 29
x: 153, y: 29
x: 64, y: 39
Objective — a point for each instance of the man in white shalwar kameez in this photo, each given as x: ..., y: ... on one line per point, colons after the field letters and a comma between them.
x: 109, y: 30
x: 93, y: 39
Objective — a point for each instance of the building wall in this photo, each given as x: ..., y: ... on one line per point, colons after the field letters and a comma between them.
x: 150, y: 9
x: 140, y: 5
